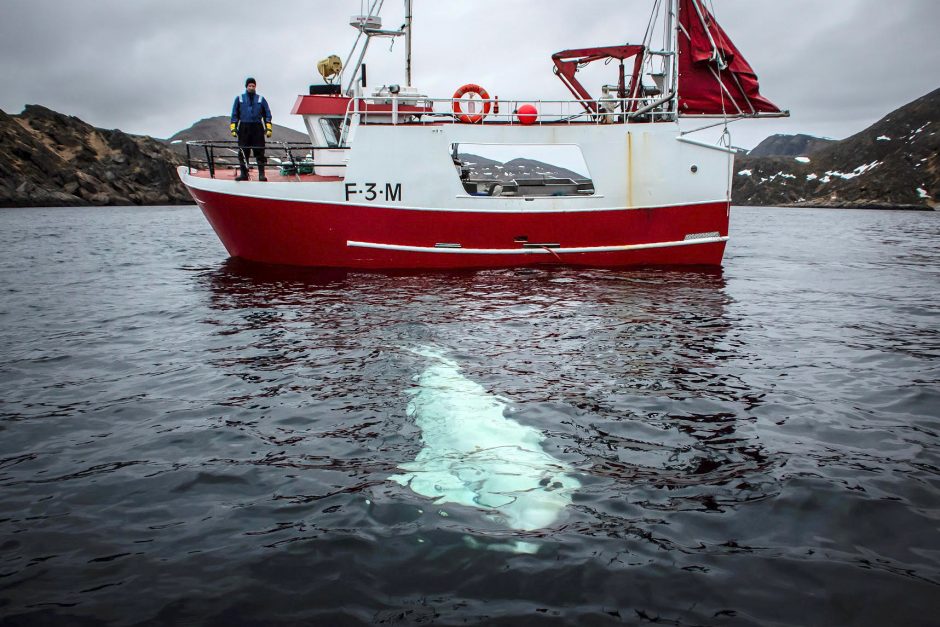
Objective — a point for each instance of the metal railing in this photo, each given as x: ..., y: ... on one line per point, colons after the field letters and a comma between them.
x: 290, y: 157
x: 408, y: 110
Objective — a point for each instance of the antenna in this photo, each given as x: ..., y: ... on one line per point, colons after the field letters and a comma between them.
x: 371, y: 26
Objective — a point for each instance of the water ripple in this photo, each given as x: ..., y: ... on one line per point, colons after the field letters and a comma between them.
x: 191, y: 440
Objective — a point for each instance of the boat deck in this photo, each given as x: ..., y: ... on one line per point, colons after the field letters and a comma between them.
x: 273, y: 173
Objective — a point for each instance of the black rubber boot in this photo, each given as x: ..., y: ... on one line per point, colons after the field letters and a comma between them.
x: 242, y: 163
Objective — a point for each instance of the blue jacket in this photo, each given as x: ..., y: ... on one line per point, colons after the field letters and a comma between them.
x: 250, y: 108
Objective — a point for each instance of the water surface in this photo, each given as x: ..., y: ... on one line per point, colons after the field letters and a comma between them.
x: 189, y: 439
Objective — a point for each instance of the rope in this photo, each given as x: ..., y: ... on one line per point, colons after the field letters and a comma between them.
x: 654, y: 16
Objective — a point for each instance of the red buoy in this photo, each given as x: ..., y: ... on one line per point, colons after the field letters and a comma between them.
x: 527, y: 114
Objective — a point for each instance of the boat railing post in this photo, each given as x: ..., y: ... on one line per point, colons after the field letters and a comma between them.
x: 290, y: 156
x: 357, y: 96
x: 394, y: 109
x: 210, y: 160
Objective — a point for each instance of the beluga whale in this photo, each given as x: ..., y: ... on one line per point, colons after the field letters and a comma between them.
x: 474, y: 455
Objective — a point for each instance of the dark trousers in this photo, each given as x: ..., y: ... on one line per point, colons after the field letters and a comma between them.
x: 250, y: 139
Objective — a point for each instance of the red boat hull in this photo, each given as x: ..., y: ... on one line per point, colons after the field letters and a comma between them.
x: 362, y: 236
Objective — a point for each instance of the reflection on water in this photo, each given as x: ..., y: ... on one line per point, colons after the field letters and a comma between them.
x: 623, y: 370
x: 186, y: 440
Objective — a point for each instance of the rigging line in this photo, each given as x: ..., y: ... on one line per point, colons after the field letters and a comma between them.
x: 716, y: 53
x: 725, y: 134
x: 685, y: 32
x: 714, y: 124
x: 664, y: 45
x: 648, y: 40
x: 744, y: 93
x: 648, y: 35
x: 725, y: 90
x: 725, y: 138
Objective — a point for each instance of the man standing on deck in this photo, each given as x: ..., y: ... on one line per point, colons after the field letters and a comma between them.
x: 250, y: 123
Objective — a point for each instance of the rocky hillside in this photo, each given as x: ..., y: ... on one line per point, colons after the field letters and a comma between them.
x: 217, y: 129
x: 789, y: 146
x: 50, y: 159
x: 47, y: 158
x: 895, y: 163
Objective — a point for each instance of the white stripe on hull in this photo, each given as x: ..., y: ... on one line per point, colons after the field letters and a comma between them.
x: 546, y: 250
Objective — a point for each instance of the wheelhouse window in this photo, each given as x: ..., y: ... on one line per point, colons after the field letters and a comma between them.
x: 528, y: 170
x: 330, y: 128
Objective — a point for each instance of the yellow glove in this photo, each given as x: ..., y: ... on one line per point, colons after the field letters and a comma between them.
x: 232, y: 128
x: 270, y: 130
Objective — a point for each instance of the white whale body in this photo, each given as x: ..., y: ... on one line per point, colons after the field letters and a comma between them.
x: 474, y: 455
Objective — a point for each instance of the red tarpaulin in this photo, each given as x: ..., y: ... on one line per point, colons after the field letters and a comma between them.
x: 567, y: 63
x: 714, y: 78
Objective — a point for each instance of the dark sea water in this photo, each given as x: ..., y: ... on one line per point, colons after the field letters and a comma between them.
x: 190, y: 440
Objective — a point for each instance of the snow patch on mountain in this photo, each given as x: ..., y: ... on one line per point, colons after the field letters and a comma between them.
x: 862, y: 169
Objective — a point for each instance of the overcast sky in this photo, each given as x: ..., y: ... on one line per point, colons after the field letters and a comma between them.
x: 156, y: 66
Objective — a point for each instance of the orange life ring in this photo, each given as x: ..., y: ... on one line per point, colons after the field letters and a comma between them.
x: 471, y: 118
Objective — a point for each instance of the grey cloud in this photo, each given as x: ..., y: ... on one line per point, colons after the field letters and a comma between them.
x: 840, y: 66
x: 154, y: 67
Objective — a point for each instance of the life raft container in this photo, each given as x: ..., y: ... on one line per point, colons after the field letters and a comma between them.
x: 471, y: 118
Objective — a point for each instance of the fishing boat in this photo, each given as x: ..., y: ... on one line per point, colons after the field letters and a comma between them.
x: 395, y: 179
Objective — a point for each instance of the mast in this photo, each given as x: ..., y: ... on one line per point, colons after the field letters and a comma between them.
x: 408, y: 43
x: 671, y: 69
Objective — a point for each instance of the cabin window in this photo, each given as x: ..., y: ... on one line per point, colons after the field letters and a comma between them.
x: 527, y: 170
x: 330, y: 128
